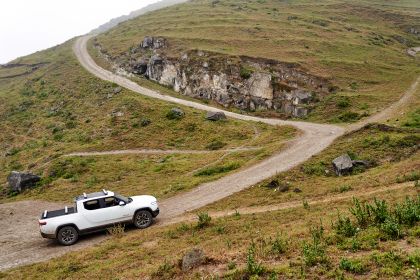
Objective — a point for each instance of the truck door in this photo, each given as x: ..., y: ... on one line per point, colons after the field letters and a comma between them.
x: 105, y: 211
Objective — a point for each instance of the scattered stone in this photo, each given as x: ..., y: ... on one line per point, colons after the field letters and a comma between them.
x: 145, y: 122
x: 215, y: 116
x: 283, y: 188
x: 297, y: 190
x: 272, y: 185
x: 117, y: 90
x: 153, y: 43
x: 193, y: 259
x: 175, y: 113
x: 117, y: 114
x: 342, y: 165
x: 20, y: 181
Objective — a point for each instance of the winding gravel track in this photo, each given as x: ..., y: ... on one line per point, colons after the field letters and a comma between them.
x: 313, y: 139
x: 21, y: 244
x: 158, y: 152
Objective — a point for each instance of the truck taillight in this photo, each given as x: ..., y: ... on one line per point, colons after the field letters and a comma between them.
x: 42, y: 223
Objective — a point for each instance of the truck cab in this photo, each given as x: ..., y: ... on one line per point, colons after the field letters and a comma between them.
x: 97, y: 211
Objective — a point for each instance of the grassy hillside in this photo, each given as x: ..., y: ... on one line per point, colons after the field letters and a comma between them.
x: 51, y: 109
x: 287, y: 244
x: 359, y: 45
x: 50, y: 106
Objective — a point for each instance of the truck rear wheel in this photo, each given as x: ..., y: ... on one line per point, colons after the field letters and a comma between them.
x: 67, y: 236
x: 142, y: 219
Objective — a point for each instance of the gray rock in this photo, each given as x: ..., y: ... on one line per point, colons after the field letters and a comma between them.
x: 158, y: 43
x: 215, y: 116
x: 342, y: 165
x: 153, y: 43
x: 20, y: 181
x: 117, y: 90
x: 273, y: 184
x: 193, y: 259
x: 300, y: 112
x: 147, y: 42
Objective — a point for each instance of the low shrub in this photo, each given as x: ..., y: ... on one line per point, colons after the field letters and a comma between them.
x: 252, y: 266
x: 215, y: 145
x: 345, y: 227
x: 408, y: 212
x: 314, y: 251
x: 349, y: 117
x: 209, y: 171
x: 278, y: 245
x: 245, y: 73
x: 391, y: 229
x: 361, y: 212
x: 203, y: 220
x: 352, y: 266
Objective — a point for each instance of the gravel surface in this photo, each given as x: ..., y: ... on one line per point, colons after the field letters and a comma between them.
x: 21, y: 242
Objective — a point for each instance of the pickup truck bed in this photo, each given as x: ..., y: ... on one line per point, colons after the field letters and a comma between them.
x: 57, y: 213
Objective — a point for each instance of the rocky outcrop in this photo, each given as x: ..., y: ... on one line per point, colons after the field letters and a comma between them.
x: 20, y: 181
x: 215, y: 116
x: 243, y: 82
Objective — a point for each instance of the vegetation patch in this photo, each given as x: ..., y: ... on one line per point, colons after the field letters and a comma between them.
x: 209, y: 171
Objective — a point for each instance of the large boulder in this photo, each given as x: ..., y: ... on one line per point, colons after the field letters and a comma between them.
x: 153, y: 43
x: 342, y: 165
x: 215, y: 116
x: 193, y: 259
x: 20, y: 181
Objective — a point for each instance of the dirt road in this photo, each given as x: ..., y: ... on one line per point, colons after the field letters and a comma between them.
x: 313, y: 139
x: 158, y: 152
x: 27, y: 246
x: 20, y: 242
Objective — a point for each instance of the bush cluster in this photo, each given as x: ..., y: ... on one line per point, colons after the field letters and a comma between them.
x: 389, y: 220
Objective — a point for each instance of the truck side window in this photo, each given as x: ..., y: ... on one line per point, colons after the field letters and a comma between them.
x: 110, y: 201
x: 92, y: 204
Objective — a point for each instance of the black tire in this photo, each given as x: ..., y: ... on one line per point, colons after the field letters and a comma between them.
x: 67, y: 236
x: 142, y: 219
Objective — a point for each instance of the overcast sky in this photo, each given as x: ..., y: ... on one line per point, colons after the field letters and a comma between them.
x: 27, y: 26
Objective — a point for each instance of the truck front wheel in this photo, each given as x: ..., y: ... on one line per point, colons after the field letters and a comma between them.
x: 143, y: 219
x: 67, y: 236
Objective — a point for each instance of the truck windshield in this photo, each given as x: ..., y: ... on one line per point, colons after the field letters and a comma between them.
x: 122, y: 198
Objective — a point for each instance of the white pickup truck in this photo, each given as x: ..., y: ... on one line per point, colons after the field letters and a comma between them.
x: 97, y: 211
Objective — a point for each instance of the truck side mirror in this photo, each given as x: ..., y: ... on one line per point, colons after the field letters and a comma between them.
x: 122, y: 203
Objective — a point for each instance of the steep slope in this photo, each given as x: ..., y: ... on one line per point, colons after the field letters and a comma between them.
x: 356, y: 49
x: 50, y: 106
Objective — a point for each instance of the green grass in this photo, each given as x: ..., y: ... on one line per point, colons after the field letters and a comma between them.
x: 393, y: 157
x: 60, y: 108
x: 291, y: 244
x: 341, y: 40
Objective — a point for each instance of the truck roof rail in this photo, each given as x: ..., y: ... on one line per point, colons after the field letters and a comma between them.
x: 105, y: 192
x: 45, y: 214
